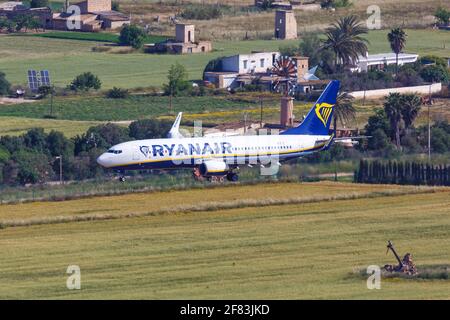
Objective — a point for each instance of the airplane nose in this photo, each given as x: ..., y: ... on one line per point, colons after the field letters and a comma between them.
x: 101, y: 160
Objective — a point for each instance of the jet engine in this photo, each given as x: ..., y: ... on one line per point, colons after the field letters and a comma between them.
x: 213, y: 168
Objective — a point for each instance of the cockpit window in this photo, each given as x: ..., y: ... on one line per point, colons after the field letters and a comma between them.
x: 114, y: 151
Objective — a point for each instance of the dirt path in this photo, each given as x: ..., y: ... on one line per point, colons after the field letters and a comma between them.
x: 5, y: 100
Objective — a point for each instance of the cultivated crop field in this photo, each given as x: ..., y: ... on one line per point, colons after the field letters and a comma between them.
x: 306, y: 245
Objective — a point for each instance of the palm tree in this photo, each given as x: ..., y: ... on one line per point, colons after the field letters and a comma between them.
x: 344, y: 38
x: 393, y: 110
x: 410, y: 108
x: 344, y: 112
x: 397, y: 39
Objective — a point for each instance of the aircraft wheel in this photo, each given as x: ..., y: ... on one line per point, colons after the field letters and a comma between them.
x: 122, y: 179
x: 233, y: 177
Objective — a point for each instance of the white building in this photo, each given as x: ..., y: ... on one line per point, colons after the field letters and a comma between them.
x: 378, y: 61
x: 255, y: 62
x: 241, y: 64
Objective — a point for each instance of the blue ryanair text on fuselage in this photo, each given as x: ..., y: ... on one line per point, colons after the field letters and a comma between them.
x: 188, y: 149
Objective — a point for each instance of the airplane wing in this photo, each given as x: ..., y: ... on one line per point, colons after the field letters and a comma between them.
x: 175, y: 130
x: 349, y: 141
x: 351, y: 138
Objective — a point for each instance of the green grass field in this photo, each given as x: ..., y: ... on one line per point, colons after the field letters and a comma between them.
x: 293, y: 251
x: 67, y: 58
x: 87, y: 36
x: 135, y: 107
x: 17, y: 125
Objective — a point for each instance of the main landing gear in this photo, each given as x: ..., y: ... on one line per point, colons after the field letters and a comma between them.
x: 230, y: 176
x: 233, y: 177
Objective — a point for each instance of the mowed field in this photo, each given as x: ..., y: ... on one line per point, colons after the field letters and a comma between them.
x: 306, y: 247
x: 15, y: 126
x: 65, y: 59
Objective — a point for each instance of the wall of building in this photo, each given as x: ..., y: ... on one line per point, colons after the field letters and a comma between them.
x: 246, y: 63
x: 108, y: 24
x: 379, y: 93
x: 185, y: 33
x: 285, y: 25
x: 94, y: 6
x: 230, y: 64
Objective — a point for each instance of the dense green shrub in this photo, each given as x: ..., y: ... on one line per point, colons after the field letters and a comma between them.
x: 132, y: 35
x: 85, y: 82
x: 5, y: 86
x: 39, y: 3
x: 117, y: 93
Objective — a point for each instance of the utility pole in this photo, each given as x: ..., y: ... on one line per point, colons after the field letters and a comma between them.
x: 51, y: 101
x: 429, y: 127
x: 261, y: 112
x: 245, y: 122
x: 60, y: 169
x: 170, y: 100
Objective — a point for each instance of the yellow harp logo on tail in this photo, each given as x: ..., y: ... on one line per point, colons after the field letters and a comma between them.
x: 323, y: 112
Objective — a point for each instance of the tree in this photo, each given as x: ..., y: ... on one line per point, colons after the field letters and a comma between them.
x: 344, y: 112
x: 4, y: 23
x: 45, y: 90
x: 266, y: 4
x: 344, y: 38
x: 379, y: 140
x: 435, y: 73
x: 310, y: 47
x: 34, y: 23
x: 440, y: 141
x: 177, y: 80
x: 101, y: 137
x: 393, y: 110
x: 397, y: 40
x: 38, y: 3
x: 378, y: 121
x: 4, y: 154
x: 33, y: 167
x: 35, y: 138
x: 149, y: 129
x: 443, y: 16
x: 85, y: 82
x: 214, y: 65
x: 57, y: 144
x: 22, y: 21
x: 115, y: 5
x: 410, y: 105
x: 132, y: 35
x: 5, y: 86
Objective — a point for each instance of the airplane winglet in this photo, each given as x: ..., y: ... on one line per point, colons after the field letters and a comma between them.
x: 175, y: 130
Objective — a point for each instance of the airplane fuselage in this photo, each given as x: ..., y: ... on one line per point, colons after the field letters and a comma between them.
x: 190, y: 152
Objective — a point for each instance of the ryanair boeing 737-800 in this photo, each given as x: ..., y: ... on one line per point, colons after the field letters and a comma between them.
x: 221, y: 156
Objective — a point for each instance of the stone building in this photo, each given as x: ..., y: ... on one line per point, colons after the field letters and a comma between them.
x: 183, y: 43
x: 12, y: 9
x: 95, y: 15
x: 285, y: 24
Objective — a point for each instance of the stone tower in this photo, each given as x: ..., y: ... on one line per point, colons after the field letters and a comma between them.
x: 285, y: 24
x: 302, y: 64
x: 184, y: 33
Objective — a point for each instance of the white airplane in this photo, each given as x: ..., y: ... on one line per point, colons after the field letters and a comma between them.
x: 222, y: 156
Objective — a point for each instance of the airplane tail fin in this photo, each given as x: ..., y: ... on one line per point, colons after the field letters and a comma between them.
x: 318, y: 119
x: 174, y: 131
